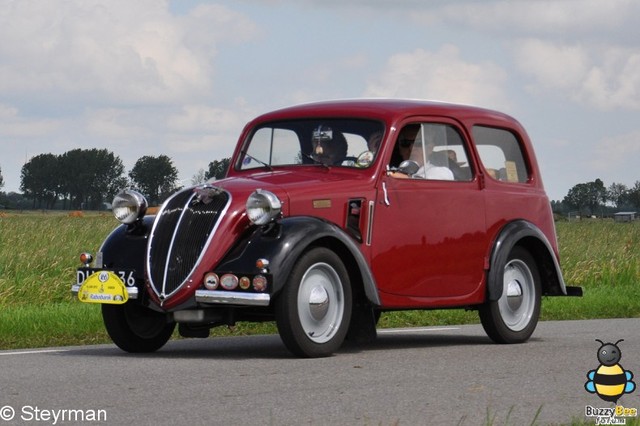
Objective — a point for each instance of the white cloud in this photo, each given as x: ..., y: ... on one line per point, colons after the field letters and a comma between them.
x: 441, y: 75
x: 585, y: 50
x: 619, y: 152
x: 571, y: 19
x: 115, y: 52
x: 553, y: 66
x: 613, y: 20
x: 204, y: 119
x: 13, y: 125
x: 615, y: 82
x: 602, y: 76
x: 115, y: 125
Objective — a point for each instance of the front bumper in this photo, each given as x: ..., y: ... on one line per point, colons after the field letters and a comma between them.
x: 210, y: 297
x: 232, y: 298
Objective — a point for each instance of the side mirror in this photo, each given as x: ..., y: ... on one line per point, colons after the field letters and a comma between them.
x: 408, y: 167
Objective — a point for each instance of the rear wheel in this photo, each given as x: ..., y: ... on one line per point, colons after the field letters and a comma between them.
x: 314, y: 309
x: 134, y: 328
x: 513, y: 317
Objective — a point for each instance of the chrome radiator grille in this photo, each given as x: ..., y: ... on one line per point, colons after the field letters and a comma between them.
x: 181, y: 232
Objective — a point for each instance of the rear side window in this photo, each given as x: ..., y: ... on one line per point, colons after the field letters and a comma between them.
x: 501, y: 154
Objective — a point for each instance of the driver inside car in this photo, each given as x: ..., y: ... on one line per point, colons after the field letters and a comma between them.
x: 327, y: 146
x: 431, y: 164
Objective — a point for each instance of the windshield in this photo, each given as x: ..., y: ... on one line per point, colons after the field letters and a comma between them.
x: 328, y: 142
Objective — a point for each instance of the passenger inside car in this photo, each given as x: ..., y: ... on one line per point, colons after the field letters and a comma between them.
x: 460, y: 170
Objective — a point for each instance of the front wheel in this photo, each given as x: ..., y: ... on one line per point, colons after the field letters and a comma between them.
x: 134, y: 328
x: 314, y: 309
x: 513, y: 317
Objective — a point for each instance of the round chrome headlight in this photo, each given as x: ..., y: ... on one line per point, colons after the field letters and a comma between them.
x: 128, y: 206
x: 263, y: 206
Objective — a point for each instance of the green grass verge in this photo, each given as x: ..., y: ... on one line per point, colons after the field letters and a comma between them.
x: 51, y: 325
x: 39, y: 255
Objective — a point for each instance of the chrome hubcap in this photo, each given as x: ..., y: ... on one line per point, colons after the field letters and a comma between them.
x: 320, y: 302
x: 518, y: 298
x: 514, y: 294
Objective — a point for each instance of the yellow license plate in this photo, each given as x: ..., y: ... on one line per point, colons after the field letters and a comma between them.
x: 103, y: 287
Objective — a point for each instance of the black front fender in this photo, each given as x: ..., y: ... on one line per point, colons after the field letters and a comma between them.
x: 282, y: 243
x: 126, y: 246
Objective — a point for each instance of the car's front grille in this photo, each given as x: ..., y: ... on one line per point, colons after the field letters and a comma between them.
x: 183, y: 229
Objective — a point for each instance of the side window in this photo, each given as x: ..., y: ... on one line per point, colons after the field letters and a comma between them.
x: 501, y: 154
x: 438, y: 150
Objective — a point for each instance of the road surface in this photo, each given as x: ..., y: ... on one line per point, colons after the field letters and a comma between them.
x: 436, y: 375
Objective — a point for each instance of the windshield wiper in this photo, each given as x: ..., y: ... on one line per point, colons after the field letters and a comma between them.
x: 305, y: 155
x: 268, y: 166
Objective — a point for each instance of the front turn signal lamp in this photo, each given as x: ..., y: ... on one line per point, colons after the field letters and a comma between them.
x: 86, y: 259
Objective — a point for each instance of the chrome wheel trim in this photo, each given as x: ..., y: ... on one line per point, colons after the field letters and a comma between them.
x: 320, y: 302
x: 517, y: 302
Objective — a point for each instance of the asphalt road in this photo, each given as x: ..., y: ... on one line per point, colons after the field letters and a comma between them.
x: 444, y: 375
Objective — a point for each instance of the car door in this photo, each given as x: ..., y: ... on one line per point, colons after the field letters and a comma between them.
x: 429, y: 238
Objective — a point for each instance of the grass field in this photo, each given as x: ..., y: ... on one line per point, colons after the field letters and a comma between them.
x: 39, y: 253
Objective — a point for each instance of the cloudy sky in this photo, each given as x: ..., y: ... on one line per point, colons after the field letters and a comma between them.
x: 180, y: 78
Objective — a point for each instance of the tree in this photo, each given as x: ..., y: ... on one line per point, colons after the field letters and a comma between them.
x: 13, y: 200
x: 90, y: 177
x: 559, y: 207
x: 198, y: 178
x: 1, y: 179
x: 618, y: 194
x: 590, y: 195
x: 218, y: 169
x: 38, y: 180
x: 156, y: 177
x: 577, y: 197
x: 597, y: 194
x: 108, y: 177
x: 634, y: 195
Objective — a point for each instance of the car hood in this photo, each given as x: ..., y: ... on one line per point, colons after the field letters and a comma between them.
x: 296, y: 184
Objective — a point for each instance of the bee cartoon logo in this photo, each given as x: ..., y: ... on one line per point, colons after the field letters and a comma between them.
x: 609, y: 381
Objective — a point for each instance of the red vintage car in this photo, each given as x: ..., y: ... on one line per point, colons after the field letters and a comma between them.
x: 330, y: 214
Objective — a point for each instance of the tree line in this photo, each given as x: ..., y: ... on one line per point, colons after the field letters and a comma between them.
x: 594, y: 198
x: 87, y: 179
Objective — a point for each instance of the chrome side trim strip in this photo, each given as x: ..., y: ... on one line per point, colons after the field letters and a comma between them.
x: 232, y: 298
x: 370, y: 222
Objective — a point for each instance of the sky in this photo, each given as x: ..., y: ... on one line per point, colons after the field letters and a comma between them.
x: 182, y: 77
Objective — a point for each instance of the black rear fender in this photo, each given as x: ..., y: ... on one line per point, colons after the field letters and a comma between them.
x: 527, y: 235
